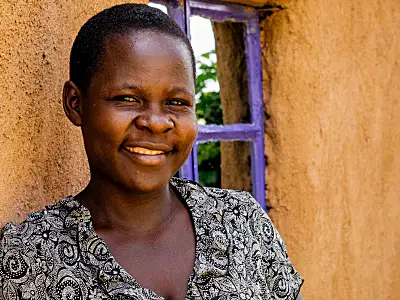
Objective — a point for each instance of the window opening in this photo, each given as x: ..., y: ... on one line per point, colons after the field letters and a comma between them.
x: 252, y: 132
x: 208, y: 102
x: 209, y: 163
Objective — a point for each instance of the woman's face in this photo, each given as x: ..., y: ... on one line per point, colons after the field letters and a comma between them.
x: 138, y: 114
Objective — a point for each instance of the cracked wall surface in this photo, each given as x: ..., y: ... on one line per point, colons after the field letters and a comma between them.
x: 332, y: 89
x: 42, y: 157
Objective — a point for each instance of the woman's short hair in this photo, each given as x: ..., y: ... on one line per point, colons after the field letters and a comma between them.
x: 89, y: 44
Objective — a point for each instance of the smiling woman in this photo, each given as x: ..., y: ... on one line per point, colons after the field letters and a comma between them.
x: 146, y: 101
x: 135, y: 232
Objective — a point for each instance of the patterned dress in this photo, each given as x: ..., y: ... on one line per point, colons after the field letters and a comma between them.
x: 56, y: 254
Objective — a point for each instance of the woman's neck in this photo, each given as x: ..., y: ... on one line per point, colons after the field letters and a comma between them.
x: 115, y: 209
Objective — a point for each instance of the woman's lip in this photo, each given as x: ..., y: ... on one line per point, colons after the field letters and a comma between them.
x: 148, y: 146
x: 144, y: 151
x: 145, y: 159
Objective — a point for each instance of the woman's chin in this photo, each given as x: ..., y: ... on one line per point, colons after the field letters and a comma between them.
x: 148, y: 186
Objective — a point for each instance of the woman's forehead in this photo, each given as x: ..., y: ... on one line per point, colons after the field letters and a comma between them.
x: 148, y: 43
x: 143, y: 59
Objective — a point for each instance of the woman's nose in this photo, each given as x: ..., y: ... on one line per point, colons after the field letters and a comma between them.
x: 154, y: 122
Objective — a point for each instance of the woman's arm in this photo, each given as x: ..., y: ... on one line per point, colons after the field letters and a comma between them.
x: 300, y: 297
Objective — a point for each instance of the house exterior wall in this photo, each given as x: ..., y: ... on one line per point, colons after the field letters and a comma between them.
x: 332, y: 89
x: 42, y: 157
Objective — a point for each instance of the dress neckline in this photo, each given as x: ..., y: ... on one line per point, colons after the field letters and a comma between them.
x: 111, y: 273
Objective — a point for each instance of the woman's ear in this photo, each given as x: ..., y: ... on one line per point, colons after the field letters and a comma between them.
x: 72, y: 102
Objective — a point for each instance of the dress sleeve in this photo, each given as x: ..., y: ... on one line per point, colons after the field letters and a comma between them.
x: 16, y: 269
x: 281, y: 278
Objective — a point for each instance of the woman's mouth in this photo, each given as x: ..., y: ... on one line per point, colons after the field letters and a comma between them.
x: 147, y: 156
x: 144, y: 151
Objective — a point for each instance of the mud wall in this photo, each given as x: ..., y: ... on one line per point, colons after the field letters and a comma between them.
x: 332, y: 90
x: 42, y: 156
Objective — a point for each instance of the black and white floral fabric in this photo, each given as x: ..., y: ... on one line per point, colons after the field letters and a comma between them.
x: 56, y: 254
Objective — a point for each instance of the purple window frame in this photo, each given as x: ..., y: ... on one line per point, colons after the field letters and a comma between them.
x: 180, y: 11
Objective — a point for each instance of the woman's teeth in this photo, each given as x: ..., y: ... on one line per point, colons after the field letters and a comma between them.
x: 144, y: 151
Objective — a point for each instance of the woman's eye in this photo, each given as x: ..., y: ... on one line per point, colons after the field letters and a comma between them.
x: 126, y: 99
x: 130, y: 99
x: 176, y: 102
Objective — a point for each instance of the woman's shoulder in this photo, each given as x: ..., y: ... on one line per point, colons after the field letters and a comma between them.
x: 43, y: 224
x: 237, y: 210
x: 222, y: 198
x: 38, y: 254
x: 233, y: 224
x: 217, y: 205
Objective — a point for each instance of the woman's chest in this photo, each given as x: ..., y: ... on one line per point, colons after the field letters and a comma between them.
x: 163, y: 267
x: 162, y: 261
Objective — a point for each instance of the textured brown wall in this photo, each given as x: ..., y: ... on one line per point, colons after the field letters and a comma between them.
x: 42, y: 157
x: 332, y: 85
x: 332, y: 88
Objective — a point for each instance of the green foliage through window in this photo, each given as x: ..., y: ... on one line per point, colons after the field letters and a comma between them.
x: 209, y: 111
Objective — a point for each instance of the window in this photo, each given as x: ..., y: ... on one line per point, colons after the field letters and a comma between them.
x: 252, y: 132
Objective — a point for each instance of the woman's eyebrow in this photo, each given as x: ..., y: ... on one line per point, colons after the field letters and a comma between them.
x: 170, y: 91
x: 130, y: 86
x: 135, y: 87
x: 180, y: 90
